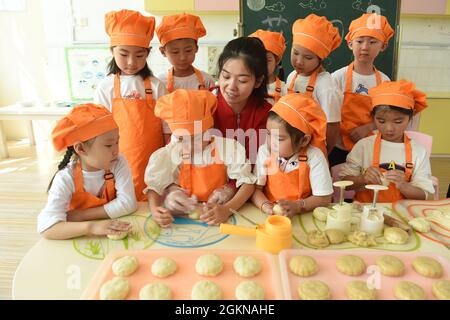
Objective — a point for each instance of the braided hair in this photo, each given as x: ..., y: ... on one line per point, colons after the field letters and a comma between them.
x: 64, y: 162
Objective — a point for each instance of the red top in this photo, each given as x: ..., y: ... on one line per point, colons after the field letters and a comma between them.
x: 253, y: 116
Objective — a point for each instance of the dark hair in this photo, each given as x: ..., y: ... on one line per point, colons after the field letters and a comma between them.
x: 66, y: 159
x: 295, y: 134
x: 251, y: 50
x: 113, y: 68
x: 281, y: 74
x: 407, y: 112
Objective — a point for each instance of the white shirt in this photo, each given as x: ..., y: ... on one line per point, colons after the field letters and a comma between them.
x: 271, y: 90
x: 63, y: 186
x: 325, y: 93
x: 360, y: 83
x: 189, y: 82
x: 131, y: 87
x: 164, y: 165
x: 319, y: 173
x: 361, y: 156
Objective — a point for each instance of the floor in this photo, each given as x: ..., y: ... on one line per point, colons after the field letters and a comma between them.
x: 23, y: 183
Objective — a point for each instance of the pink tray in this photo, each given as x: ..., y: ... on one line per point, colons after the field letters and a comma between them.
x: 182, y: 281
x: 326, y: 259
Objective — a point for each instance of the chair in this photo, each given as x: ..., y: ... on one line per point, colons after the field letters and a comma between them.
x: 349, y: 194
x: 427, y: 142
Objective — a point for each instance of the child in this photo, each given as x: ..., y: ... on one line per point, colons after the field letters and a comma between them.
x: 95, y: 185
x: 390, y: 157
x: 130, y: 90
x: 241, y: 106
x: 314, y: 38
x: 195, y: 163
x: 291, y: 169
x: 367, y: 37
x: 178, y: 35
x: 275, y: 45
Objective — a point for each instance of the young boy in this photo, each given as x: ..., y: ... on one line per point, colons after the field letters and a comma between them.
x: 367, y: 37
x: 390, y: 157
x: 178, y: 35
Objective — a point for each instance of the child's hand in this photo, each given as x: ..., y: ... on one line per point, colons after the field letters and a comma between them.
x: 163, y: 217
x: 397, y: 177
x: 360, y: 132
x: 216, y: 214
x: 108, y: 227
x: 221, y: 195
x: 178, y: 201
x: 267, y: 208
x: 289, y: 208
x: 372, y: 176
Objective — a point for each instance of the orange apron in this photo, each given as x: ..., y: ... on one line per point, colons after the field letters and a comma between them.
x: 293, y: 185
x: 199, y: 75
x: 277, y: 94
x: 202, y: 181
x: 355, y: 110
x: 392, y: 194
x: 309, y: 87
x: 84, y: 200
x: 140, y: 132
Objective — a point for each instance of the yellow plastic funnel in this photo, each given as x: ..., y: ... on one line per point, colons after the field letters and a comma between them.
x: 272, y: 236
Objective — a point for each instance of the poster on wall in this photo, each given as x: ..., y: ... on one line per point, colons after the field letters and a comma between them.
x: 86, y: 67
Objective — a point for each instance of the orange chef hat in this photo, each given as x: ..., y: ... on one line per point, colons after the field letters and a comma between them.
x: 401, y: 94
x: 84, y: 122
x: 370, y: 25
x: 129, y: 28
x: 304, y: 114
x: 180, y: 26
x: 316, y: 34
x: 183, y: 109
x: 273, y: 41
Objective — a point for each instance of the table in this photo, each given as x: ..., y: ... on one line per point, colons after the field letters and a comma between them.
x: 17, y: 112
x: 62, y: 269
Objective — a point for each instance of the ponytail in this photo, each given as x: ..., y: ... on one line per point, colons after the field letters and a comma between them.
x: 64, y: 162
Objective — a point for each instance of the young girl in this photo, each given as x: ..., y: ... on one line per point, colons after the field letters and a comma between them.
x: 314, y: 38
x: 178, y: 35
x: 275, y: 46
x: 241, y: 96
x: 291, y: 170
x: 195, y: 163
x: 130, y: 90
x: 390, y: 157
x: 95, y: 185
x: 367, y: 37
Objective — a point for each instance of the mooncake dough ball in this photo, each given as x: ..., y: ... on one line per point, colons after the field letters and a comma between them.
x: 277, y: 209
x: 163, y: 267
x: 314, y: 290
x: 206, y: 290
x: 321, y: 213
x: 335, y: 236
x: 358, y: 290
x: 390, y: 266
x: 427, y: 267
x: 396, y: 235
x: 361, y: 239
x: 209, y: 265
x: 155, y: 291
x: 318, y: 238
x: 247, y: 266
x: 125, y: 266
x: 350, y: 265
x: 441, y: 289
x: 406, y: 290
x: 303, y: 266
x: 420, y: 224
x: 119, y: 236
x: 249, y: 290
x: 115, y: 289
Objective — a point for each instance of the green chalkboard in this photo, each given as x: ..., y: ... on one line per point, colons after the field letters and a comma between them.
x: 279, y: 15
